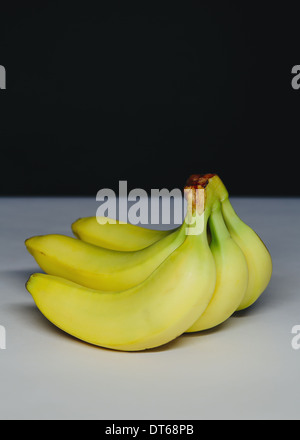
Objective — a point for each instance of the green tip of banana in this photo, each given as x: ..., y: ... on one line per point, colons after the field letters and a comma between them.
x: 128, y: 288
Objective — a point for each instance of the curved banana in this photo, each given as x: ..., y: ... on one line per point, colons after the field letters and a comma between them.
x: 151, y: 314
x: 256, y: 253
x: 99, y: 268
x: 116, y: 235
x: 232, y: 275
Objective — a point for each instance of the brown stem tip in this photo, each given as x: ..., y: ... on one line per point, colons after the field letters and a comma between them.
x: 195, y: 192
x: 199, y: 180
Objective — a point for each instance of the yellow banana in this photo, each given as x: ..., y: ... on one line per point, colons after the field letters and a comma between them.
x: 99, y: 268
x: 116, y: 235
x: 256, y: 253
x: 232, y: 275
x: 151, y: 314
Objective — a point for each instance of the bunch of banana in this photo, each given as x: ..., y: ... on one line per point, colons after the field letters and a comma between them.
x: 129, y: 288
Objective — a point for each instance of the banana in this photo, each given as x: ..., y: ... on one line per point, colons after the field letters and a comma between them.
x: 149, y: 315
x: 99, y: 268
x: 116, y: 235
x: 232, y: 275
x: 257, y: 255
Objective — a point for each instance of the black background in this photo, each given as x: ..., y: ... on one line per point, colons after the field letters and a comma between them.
x: 149, y: 93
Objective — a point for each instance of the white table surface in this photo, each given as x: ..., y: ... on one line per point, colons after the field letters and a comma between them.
x: 245, y: 369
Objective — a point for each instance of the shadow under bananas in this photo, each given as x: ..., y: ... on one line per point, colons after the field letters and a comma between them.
x: 204, y: 333
x: 272, y: 298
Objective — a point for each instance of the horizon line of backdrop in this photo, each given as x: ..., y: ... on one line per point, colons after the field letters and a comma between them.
x: 148, y: 94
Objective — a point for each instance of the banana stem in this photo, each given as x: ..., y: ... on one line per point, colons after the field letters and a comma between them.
x: 201, y: 199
